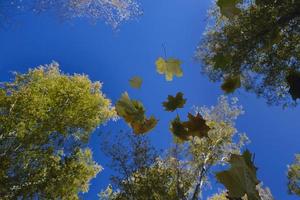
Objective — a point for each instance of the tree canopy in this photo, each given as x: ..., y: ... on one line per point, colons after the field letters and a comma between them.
x: 254, y: 45
x: 46, y: 118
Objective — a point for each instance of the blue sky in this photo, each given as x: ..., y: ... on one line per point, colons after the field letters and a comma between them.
x: 114, y: 57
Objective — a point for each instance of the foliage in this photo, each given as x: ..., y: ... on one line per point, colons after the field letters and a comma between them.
x: 133, y: 113
x: 173, y: 103
x: 136, y: 82
x: 257, y: 41
x: 46, y: 118
x: 113, y: 12
x: 240, y: 179
x: 294, y: 176
x: 184, y: 169
x: 229, y: 8
x: 143, y: 174
x: 170, y: 67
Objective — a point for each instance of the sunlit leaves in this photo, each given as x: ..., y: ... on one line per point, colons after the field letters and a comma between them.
x: 240, y: 179
x: 194, y: 127
x: 133, y: 112
x: 230, y: 84
x: 169, y: 67
x: 294, y: 176
x: 136, y: 82
x: 229, y: 8
x: 173, y: 103
x: 293, y: 80
x: 46, y: 117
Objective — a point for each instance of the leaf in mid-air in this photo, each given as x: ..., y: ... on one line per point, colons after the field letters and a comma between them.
x: 228, y: 7
x: 170, y: 67
x: 178, y: 129
x: 293, y: 81
x: 194, y: 127
x: 133, y: 112
x: 173, y: 103
x: 136, y: 82
x: 240, y: 179
x: 230, y: 84
x: 144, y: 126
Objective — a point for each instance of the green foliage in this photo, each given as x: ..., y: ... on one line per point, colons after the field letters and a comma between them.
x: 133, y: 112
x: 240, y: 179
x: 46, y: 118
x: 142, y: 174
x: 136, y: 82
x: 170, y: 67
x: 258, y: 42
x: 194, y: 127
x: 294, y: 176
x: 229, y: 8
x: 173, y: 103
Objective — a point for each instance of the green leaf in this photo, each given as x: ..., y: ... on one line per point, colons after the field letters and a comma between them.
x: 194, y: 127
x: 133, y: 113
x: 228, y: 7
x: 240, y: 179
x: 230, y: 84
x: 136, y: 82
x: 293, y: 81
x: 170, y: 67
x: 173, y: 103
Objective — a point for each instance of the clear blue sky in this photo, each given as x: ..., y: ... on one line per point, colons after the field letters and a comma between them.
x: 114, y: 57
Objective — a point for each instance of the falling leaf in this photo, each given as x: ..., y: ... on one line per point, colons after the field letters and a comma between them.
x: 194, y: 127
x: 231, y: 84
x: 173, y: 103
x: 170, y: 67
x: 240, y: 179
x: 133, y: 113
x: 144, y: 126
x: 178, y: 129
x: 136, y: 82
x: 228, y: 8
x: 293, y: 80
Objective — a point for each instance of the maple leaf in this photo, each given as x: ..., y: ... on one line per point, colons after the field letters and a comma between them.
x: 133, y: 112
x: 173, y: 103
x: 136, y: 82
x: 228, y: 7
x: 178, y: 129
x: 230, y: 84
x: 240, y: 179
x: 293, y: 80
x: 170, y: 67
x: 194, y: 127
